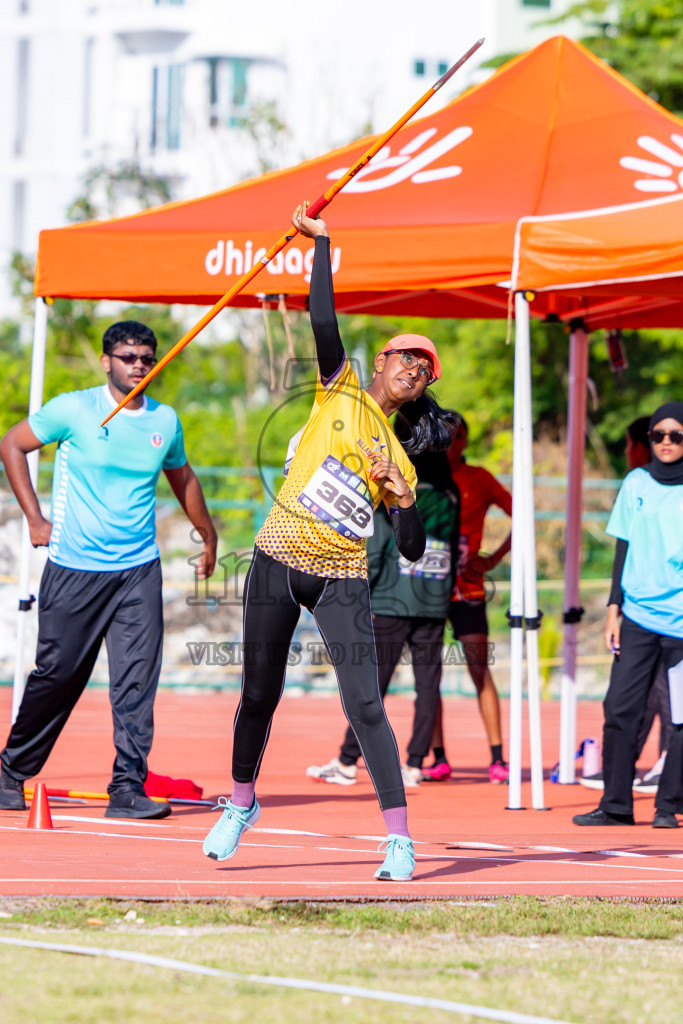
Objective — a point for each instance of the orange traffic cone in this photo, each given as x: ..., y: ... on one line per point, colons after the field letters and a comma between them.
x: 39, y: 815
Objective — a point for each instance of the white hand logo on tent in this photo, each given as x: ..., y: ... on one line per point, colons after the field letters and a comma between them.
x: 407, y: 165
x: 671, y: 159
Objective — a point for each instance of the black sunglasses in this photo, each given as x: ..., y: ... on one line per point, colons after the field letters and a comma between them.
x: 129, y: 358
x: 657, y: 436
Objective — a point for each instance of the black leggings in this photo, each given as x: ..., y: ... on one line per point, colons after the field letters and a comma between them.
x: 273, y: 596
x: 425, y: 640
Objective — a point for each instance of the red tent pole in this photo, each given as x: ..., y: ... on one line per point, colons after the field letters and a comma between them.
x: 314, y: 209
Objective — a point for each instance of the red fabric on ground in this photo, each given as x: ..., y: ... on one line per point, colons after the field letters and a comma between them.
x: 178, y: 789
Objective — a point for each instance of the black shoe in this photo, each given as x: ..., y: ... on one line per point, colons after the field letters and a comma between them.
x: 11, y: 793
x: 600, y: 817
x: 664, y: 819
x: 126, y: 803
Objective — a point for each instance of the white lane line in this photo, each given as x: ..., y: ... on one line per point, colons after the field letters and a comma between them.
x: 372, y: 852
x: 352, y: 884
x: 167, y: 825
x: 617, y: 853
x: 425, y: 856
x: 480, y: 846
x: 123, y: 822
x: 291, y: 832
x: 572, y: 863
x: 152, y: 839
x: 463, y: 844
x: 506, y: 1016
x: 105, y: 835
x: 371, y: 839
x: 552, y: 849
x: 202, y: 828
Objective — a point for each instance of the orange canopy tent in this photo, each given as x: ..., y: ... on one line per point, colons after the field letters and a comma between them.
x: 635, y: 250
x: 599, y: 258
x: 427, y: 228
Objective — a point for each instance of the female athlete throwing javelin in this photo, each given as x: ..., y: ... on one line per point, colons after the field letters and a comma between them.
x: 311, y: 551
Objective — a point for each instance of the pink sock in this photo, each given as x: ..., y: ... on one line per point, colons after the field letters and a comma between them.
x: 242, y: 794
x: 396, y: 821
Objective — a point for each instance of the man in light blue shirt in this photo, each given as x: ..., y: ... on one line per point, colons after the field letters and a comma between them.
x: 102, y: 579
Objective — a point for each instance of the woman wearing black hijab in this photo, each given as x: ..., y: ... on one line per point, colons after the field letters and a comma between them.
x: 647, y: 589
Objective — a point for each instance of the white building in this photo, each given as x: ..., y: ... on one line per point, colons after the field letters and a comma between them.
x: 173, y: 86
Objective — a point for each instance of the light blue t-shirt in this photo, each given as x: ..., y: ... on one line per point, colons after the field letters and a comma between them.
x: 103, y: 488
x: 649, y: 515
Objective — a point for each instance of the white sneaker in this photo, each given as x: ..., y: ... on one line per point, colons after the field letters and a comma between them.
x: 650, y: 781
x: 592, y: 781
x: 335, y: 771
x: 411, y: 776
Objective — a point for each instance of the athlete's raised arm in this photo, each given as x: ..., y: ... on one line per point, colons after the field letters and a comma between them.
x: 328, y: 343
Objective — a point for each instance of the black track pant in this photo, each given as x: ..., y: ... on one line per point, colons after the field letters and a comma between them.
x: 273, y: 597
x: 425, y: 641
x: 658, y: 703
x: 632, y: 676
x: 76, y: 611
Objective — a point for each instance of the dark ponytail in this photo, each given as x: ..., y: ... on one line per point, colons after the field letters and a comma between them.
x: 421, y: 426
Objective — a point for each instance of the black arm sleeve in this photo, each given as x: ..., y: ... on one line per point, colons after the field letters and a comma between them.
x: 409, y: 532
x: 328, y: 343
x: 616, y: 595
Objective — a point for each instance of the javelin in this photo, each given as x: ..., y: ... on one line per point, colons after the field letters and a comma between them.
x: 76, y: 794
x: 313, y: 211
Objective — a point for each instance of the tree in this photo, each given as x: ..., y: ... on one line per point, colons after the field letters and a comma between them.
x: 267, y: 130
x: 106, y: 189
x: 641, y: 39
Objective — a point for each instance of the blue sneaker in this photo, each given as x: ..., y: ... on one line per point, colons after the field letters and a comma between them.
x: 224, y: 838
x: 399, y: 862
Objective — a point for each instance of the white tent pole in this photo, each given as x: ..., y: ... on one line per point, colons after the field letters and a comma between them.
x: 516, y: 611
x: 25, y: 597
x: 531, y: 616
x: 578, y: 374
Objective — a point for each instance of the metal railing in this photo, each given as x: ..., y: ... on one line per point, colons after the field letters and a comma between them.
x: 251, y: 489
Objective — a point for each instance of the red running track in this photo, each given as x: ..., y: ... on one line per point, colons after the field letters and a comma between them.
x: 316, y: 841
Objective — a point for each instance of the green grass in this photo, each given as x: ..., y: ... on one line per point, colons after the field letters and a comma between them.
x: 597, y: 961
x: 519, y: 915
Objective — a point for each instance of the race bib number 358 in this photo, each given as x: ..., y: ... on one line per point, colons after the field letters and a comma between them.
x: 341, y: 499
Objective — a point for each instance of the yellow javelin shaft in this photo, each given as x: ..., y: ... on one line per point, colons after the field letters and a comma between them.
x: 313, y: 211
x: 78, y: 795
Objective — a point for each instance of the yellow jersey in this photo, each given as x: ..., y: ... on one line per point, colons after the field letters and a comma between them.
x: 323, y: 513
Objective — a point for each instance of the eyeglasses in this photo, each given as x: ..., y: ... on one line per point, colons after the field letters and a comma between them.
x: 424, y: 370
x: 657, y: 436
x: 129, y: 358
